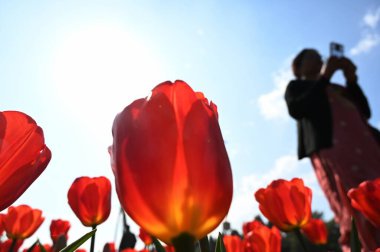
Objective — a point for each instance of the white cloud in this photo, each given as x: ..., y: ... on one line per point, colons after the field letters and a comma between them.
x: 370, y: 37
x: 371, y: 18
x: 244, y: 206
x: 272, y: 105
x: 365, y: 44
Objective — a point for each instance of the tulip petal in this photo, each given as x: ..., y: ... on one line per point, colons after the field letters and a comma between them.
x: 23, y: 155
x: 141, y: 169
x: 205, y: 157
x: 366, y: 199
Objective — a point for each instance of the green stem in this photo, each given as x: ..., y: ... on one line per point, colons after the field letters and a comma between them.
x: 300, y: 238
x: 184, y: 243
x: 205, y: 246
x: 92, y: 240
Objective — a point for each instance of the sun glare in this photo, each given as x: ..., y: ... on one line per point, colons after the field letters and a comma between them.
x: 100, y: 69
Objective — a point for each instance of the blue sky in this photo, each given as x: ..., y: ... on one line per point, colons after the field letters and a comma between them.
x: 73, y: 65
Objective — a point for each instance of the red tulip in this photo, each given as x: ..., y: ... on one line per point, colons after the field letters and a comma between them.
x: 262, y: 238
x: 248, y: 226
x: 58, y: 228
x: 23, y: 155
x: 109, y: 247
x: 233, y: 243
x: 145, y: 237
x: 81, y: 250
x: 315, y: 230
x: 366, y: 199
x: 287, y: 204
x: 90, y: 199
x: 22, y: 221
x: 6, y: 246
x: 170, y: 164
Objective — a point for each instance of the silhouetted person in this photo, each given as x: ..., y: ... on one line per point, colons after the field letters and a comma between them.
x: 334, y: 133
x: 226, y: 228
x: 128, y: 239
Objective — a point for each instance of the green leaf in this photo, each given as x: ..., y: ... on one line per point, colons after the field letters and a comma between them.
x: 204, y: 244
x: 73, y: 246
x: 354, y: 238
x: 158, y: 245
x: 220, y: 244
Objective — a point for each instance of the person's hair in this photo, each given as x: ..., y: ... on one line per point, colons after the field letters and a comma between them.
x: 297, y: 61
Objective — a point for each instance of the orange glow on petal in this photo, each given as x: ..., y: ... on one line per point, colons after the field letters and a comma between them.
x: 175, y: 138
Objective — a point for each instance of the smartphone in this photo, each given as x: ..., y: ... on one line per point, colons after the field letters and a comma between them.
x: 336, y: 49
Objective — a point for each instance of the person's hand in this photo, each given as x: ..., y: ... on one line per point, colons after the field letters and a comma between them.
x: 349, y: 70
x: 332, y: 64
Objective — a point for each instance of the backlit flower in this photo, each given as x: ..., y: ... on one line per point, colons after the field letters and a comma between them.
x: 262, y: 238
x: 287, y: 204
x: 22, y: 221
x: 59, y: 227
x: 90, y: 200
x: 366, y: 199
x: 23, y: 155
x: 171, y: 167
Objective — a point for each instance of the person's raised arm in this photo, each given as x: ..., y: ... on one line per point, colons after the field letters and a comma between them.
x: 349, y: 71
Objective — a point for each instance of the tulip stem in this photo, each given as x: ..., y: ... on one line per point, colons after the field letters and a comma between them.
x: 92, y: 240
x: 13, y: 245
x: 184, y: 243
x: 300, y: 238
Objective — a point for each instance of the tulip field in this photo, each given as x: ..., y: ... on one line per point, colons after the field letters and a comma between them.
x: 173, y: 136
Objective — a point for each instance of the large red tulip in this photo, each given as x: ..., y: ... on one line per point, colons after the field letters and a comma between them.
x: 90, y: 200
x: 287, y: 204
x: 22, y: 221
x: 316, y: 231
x: 366, y: 199
x: 23, y: 155
x: 58, y: 228
x: 171, y: 168
x: 261, y: 238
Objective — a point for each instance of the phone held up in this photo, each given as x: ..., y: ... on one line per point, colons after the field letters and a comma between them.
x: 336, y: 49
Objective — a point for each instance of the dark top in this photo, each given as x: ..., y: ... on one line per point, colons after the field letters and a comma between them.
x: 308, y: 103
